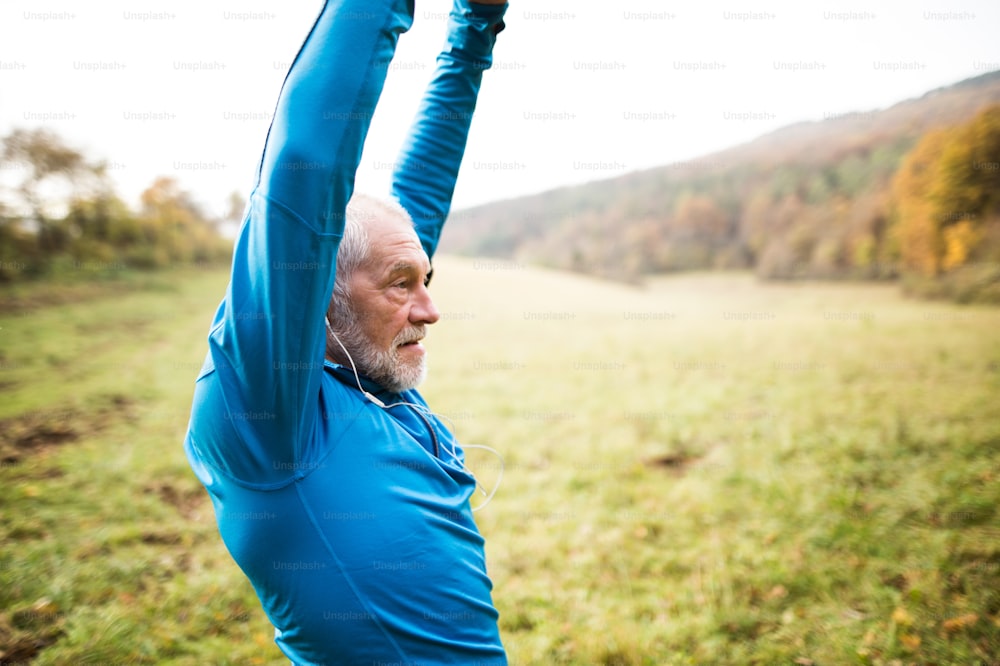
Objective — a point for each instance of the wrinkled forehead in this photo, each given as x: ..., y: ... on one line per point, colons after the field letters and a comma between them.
x: 393, y: 240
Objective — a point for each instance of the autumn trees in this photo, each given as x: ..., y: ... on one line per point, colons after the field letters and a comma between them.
x: 878, y: 200
x: 59, y: 214
x: 870, y: 203
x: 947, y: 197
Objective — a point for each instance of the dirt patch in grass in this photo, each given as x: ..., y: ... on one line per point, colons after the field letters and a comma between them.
x: 27, y: 631
x: 189, y: 502
x: 676, y: 462
x: 35, y: 433
x: 31, y: 433
x: 25, y: 648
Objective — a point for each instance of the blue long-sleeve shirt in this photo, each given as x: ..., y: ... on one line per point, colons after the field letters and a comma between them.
x: 351, y: 521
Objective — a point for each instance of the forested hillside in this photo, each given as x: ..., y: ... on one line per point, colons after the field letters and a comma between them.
x: 906, y: 192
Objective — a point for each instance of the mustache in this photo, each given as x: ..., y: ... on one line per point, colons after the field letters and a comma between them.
x: 413, y: 334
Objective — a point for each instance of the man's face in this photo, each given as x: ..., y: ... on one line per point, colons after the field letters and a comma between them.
x: 389, y: 308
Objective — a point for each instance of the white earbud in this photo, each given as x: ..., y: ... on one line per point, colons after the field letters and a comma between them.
x: 374, y: 399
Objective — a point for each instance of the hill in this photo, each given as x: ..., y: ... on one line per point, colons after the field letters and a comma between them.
x: 809, y: 200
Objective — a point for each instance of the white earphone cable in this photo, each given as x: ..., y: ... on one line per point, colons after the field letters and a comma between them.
x: 427, y: 412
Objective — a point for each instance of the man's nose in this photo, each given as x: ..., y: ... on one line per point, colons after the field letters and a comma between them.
x: 424, y: 310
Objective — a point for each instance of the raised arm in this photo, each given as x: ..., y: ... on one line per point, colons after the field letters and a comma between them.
x: 266, y: 346
x: 427, y: 168
x: 325, y: 108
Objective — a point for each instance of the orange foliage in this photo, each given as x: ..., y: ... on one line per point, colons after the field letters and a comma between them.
x: 945, y: 190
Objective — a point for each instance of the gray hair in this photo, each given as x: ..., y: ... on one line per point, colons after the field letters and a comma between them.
x: 356, y: 245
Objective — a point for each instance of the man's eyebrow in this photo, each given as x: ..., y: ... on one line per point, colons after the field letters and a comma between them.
x: 404, y: 266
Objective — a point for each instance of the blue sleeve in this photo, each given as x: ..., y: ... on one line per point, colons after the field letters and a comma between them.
x: 427, y: 168
x: 254, y: 417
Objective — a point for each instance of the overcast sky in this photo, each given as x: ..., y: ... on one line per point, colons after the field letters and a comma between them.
x: 581, y: 90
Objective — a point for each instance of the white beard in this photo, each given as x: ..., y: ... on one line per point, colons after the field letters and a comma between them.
x: 384, y: 367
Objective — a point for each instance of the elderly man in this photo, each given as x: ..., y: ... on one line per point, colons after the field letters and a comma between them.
x: 342, y: 498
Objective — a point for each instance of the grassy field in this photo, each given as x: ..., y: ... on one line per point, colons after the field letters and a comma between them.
x: 705, y: 471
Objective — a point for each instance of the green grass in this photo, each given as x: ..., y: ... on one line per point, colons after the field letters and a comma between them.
x: 706, y: 471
